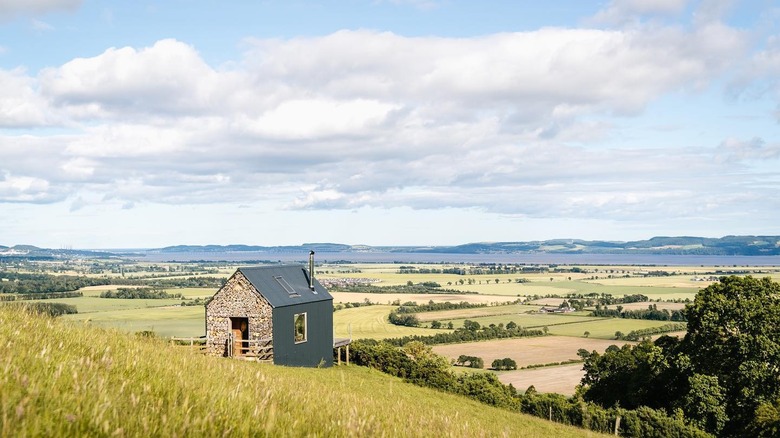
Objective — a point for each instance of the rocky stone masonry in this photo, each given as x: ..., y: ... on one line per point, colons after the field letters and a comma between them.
x: 237, y: 298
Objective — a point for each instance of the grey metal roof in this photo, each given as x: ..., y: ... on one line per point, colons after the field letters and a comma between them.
x: 285, y: 285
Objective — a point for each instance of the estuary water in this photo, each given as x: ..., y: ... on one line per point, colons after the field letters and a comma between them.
x: 512, y: 258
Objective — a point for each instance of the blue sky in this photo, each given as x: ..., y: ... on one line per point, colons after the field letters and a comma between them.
x: 145, y: 124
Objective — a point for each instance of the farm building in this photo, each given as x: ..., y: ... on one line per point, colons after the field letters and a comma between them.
x: 278, y: 313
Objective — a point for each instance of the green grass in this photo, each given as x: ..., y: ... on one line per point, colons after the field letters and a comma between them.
x: 187, y: 292
x: 87, y: 304
x: 533, y: 320
x: 604, y: 328
x: 371, y: 322
x: 654, y: 292
x: 65, y: 379
x: 164, y: 321
x: 476, y: 312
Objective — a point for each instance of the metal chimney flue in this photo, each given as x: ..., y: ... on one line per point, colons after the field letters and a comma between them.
x: 311, y: 270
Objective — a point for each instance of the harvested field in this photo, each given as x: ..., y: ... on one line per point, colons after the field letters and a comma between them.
x: 352, y: 297
x: 555, y: 302
x: 660, y: 306
x: 526, y: 351
x: 561, y: 379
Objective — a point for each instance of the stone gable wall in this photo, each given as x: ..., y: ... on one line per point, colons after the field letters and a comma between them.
x: 237, y: 298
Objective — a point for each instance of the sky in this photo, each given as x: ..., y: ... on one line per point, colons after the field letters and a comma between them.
x: 386, y: 122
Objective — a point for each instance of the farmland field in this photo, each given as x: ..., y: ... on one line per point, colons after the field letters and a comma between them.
x: 526, y: 351
x: 561, y: 379
x: 165, y: 321
x: 604, y: 328
x: 86, y: 305
x: 371, y: 322
x: 352, y: 297
x: 528, y: 320
x: 476, y: 312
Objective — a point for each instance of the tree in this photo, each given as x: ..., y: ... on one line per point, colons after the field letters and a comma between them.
x: 734, y: 335
x: 705, y: 403
x: 724, y: 376
x: 767, y: 422
x: 471, y: 325
x: 587, y: 333
x: 435, y: 324
x: 504, y: 364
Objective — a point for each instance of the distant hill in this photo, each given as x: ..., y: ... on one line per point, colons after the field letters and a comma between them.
x: 34, y: 252
x: 324, y: 247
x: 683, y: 245
x: 729, y: 245
x: 680, y: 245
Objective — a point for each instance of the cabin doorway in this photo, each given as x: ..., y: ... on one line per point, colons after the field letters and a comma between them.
x: 240, y: 329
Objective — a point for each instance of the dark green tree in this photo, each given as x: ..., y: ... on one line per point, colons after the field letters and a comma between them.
x: 734, y: 335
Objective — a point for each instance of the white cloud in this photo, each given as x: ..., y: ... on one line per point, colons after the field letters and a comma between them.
x: 419, y: 4
x: 734, y: 150
x: 20, y: 103
x: 15, y: 188
x: 13, y: 8
x: 41, y: 26
x: 169, y: 78
x: 310, y: 119
x: 502, y: 123
x: 622, y: 11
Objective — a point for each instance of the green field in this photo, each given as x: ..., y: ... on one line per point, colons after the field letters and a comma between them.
x: 604, y: 328
x: 476, y: 312
x: 550, y: 283
x: 533, y: 320
x: 371, y: 322
x: 654, y: 292
x: 93, y: 304
x: 177, y: 321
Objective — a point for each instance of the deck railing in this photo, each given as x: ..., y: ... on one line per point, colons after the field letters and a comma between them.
x: 260, y: 349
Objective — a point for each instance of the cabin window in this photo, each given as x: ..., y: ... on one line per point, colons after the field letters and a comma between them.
x: 300, y: 327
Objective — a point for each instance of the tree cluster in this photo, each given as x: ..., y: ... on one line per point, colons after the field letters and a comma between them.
x: 51, y: 309
x: 21, y: 283
x: 470, y: 361
x: 416, y: 363
x: 723, y: 376
x: 138, y: 293
x: 405, y: 319
x: 205, y: 282
x: 504, y: 364
x: 413, y: 307
x: 397, y: 289
x: 639, y: 334
x: 470, y: 332
x: 651, y: 313
x: 41, y: 296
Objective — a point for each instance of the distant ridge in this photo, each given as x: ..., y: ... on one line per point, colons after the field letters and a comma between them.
x: 680, y: 245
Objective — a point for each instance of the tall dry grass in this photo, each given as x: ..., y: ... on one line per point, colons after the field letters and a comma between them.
x: 60, y: 378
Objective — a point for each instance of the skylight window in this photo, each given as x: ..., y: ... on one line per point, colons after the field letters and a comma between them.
x: 282, y: 282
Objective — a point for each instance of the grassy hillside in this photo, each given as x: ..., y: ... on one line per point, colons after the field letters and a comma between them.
x: 63, y: 378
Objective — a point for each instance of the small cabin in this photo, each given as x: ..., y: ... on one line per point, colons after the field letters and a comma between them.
x: 277, y: 313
